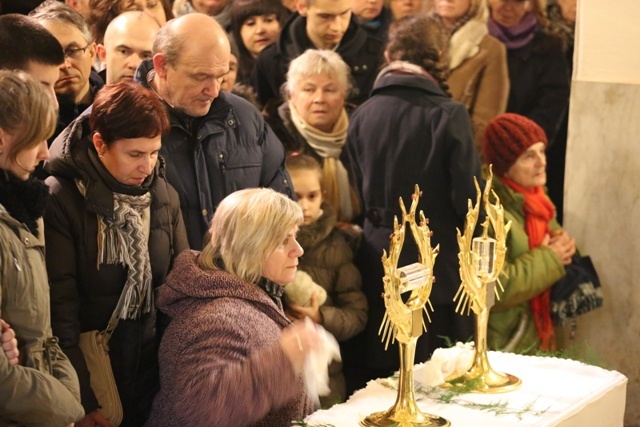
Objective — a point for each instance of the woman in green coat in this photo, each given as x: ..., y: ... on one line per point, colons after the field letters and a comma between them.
x: 42, y: 389
x: 537, y: 248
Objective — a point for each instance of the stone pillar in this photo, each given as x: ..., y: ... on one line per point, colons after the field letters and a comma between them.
x: 602, y: 184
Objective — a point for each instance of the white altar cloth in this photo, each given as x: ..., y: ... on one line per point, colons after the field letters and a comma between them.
x: 554, y: 392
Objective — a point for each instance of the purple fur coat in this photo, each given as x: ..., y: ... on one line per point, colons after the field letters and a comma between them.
x: 220, y: 361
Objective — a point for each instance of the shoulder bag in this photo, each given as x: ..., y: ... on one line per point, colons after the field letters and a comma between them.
x: 95, y: 348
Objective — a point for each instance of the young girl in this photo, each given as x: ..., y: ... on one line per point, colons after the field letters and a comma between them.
x: 327, y: 260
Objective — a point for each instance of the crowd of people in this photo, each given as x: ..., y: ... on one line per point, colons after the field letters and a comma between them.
x: 218, y: 175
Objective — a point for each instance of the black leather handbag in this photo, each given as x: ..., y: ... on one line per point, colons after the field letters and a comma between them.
x: 578, y: 292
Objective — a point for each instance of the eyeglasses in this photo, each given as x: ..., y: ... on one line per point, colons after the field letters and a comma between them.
x: 75, y: 52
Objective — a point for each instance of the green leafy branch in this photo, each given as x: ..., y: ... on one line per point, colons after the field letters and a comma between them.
x: 452, y: 396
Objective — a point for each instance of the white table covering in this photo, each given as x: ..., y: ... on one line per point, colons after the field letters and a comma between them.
x: 554, y: 392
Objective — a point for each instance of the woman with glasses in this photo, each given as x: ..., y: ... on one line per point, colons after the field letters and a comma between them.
x: 538, y: 70
x: 42, y: 389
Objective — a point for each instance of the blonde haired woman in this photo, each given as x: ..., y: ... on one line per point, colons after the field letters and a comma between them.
x: 43, y: 388
x: 230, y: 356
x: 313, y: 120
x: 479, y: 77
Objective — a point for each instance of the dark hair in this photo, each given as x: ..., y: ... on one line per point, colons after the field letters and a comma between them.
x: 303, y: 162
x: 102, y: 12
x: 421, y: 40
x: 23, y: 40
x: 241, y: 10
x: 127, y: 110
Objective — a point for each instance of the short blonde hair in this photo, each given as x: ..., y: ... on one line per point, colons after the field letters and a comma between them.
x: 27, y: 111
x: 318, y: 61
x: 247, y: 227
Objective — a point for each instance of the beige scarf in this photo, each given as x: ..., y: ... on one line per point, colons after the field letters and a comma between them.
x: 465, y: 43
x: 329, y: 146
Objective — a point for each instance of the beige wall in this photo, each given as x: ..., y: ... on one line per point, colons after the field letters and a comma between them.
x: 602, y: 187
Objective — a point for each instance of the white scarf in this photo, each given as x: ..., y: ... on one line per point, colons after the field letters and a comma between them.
x: 329, y: 147
x: 465, y: 43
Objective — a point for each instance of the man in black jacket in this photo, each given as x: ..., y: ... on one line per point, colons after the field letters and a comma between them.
x: 320, y: 24
x: 39, y: 53
x: 218, y: 142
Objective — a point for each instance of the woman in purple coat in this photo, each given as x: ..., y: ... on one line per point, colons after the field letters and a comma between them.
x: 230, y: 356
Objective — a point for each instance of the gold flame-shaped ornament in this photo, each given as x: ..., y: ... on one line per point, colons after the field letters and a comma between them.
x: 481, y: 262
x: 404, y: 322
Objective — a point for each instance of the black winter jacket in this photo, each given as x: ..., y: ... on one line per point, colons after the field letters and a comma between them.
x: 362, y: 52
x: 210, y: 157
x: 83, y: 297
x: 409, y: 132
x: 539, y: 76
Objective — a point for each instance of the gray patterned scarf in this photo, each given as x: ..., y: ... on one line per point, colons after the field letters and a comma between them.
x: 122, y: 240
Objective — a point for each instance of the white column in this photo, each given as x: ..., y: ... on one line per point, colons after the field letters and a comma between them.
x: 602, y: 184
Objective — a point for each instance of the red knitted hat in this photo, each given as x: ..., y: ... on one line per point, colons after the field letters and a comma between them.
x: 506, y: 137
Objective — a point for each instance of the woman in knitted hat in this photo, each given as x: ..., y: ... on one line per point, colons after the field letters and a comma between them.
x: 537, y: 248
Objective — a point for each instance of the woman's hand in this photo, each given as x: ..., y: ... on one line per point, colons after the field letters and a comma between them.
x: 93, y: 419
x: 297, y: 341
x: 562, y: 244
x: 9, y: 343
x: 298, y: 312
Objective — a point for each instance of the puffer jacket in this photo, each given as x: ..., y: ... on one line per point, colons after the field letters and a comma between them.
x: 328, y: 259
x: 43, y: 389
x: 526, y: 274
x: 84, y: 296
x: 231, y: 148
x: 220, y: 360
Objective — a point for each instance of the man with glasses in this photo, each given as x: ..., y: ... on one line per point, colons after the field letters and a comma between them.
x: 77, y: 82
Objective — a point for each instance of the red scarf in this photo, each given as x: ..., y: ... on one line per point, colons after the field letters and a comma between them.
x: 538, y: 211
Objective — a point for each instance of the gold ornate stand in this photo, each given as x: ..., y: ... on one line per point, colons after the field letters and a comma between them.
x: 404, y: 321
x: 405, y: 411
x: 481, y: 261
x: 484, y: 378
